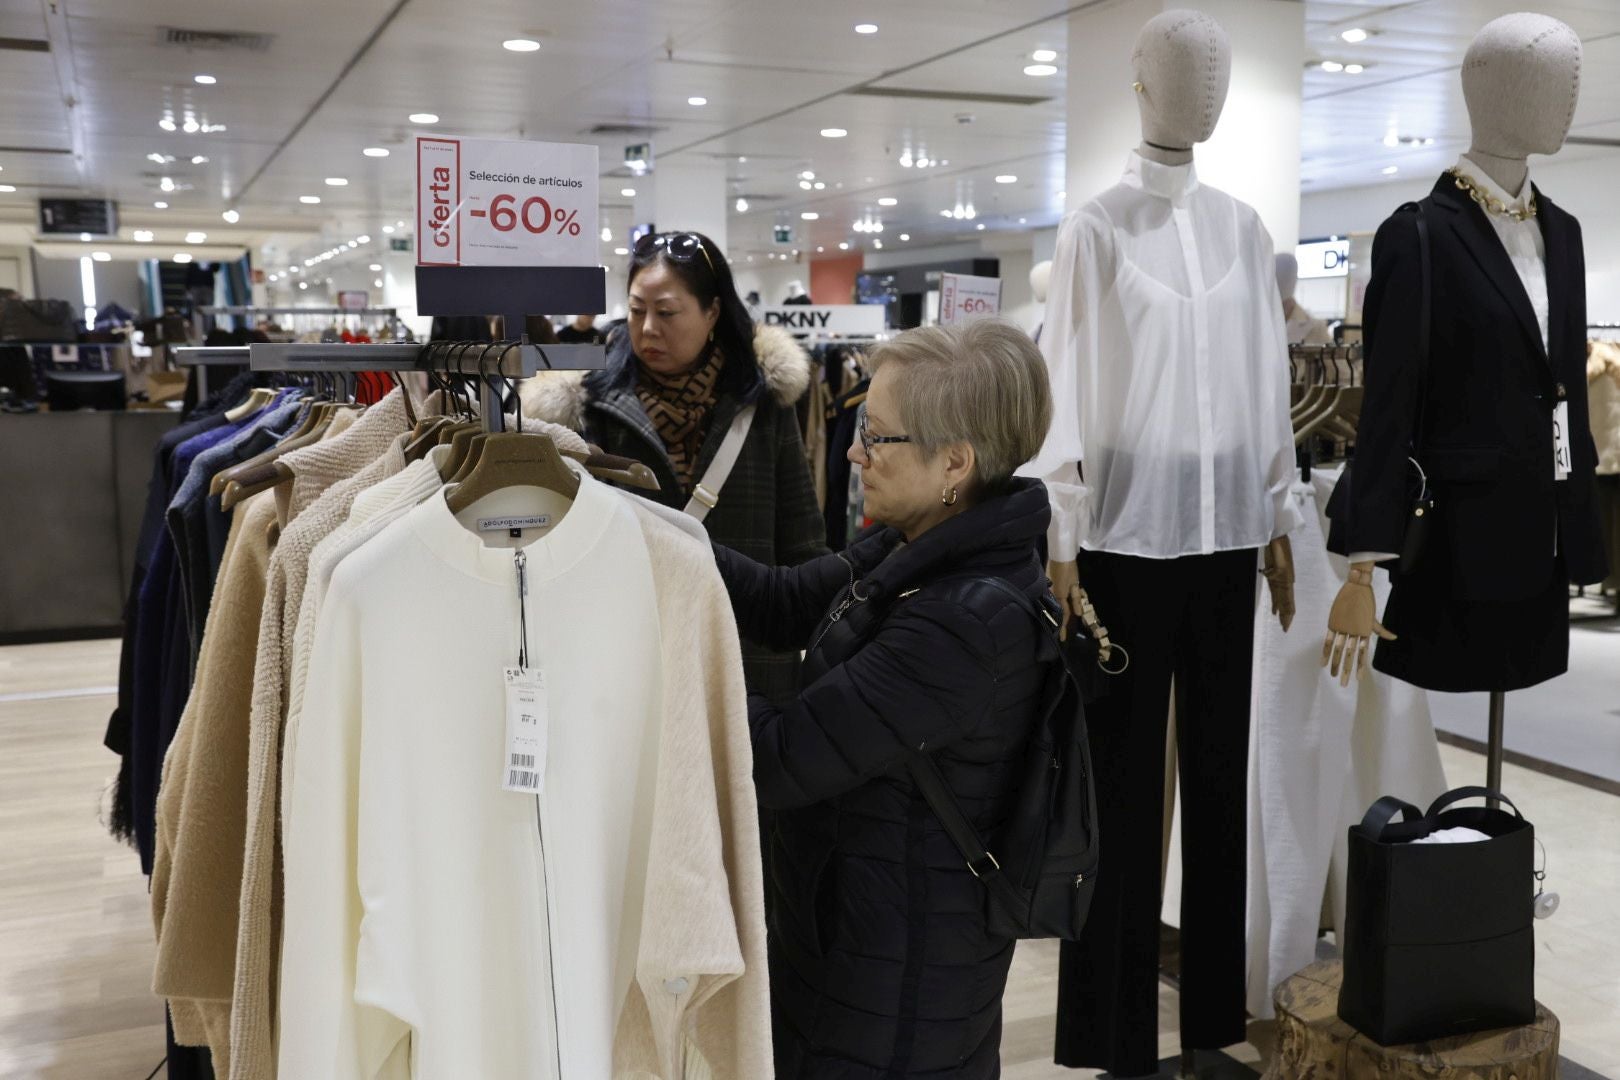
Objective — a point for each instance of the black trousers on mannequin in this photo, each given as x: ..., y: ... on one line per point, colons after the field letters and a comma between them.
x: 1191, y: 620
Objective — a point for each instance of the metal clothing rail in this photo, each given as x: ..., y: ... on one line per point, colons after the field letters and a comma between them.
x: 253, y: 309
x: 515, y: 361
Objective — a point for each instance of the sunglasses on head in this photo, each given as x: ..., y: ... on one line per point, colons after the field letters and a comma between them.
x: 679, y: 247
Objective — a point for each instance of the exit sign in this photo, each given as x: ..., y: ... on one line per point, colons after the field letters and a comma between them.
x: 399, y: 243
x: 784, y: 234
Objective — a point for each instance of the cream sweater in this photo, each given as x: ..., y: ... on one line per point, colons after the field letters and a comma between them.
x: 439, y: 926
x: 326, y: 479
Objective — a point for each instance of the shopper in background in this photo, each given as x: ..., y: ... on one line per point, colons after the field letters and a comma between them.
x: 582, y: 331
x: 672, y: 388
x: 881, y: 963
x: 1303, y: 327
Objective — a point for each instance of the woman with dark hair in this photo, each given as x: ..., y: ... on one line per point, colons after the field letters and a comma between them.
x: 692, y: 372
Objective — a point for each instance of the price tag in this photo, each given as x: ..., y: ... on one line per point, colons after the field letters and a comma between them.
x: 523, y: 766
x: 500, y: 202
x: 1561, y: 462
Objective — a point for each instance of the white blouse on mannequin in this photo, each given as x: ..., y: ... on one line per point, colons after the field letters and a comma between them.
x: 1169, y: 365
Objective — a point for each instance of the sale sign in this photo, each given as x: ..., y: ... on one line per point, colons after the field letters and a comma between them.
x: 497, y: 202
x: 963, y: 298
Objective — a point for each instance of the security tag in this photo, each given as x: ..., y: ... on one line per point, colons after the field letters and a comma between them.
x: 1561, y: 462
x: 523, y: 767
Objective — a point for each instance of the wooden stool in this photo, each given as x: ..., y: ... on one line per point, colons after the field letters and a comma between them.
x: 1312, y: 1041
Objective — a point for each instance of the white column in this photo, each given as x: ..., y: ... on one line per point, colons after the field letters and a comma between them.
x: 1254, y: 155
x: 686, y: 194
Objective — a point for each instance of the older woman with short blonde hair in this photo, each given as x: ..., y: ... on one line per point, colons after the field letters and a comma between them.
x: 881, y: 961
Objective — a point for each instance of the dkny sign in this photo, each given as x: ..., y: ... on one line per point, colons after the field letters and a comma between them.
x: 827, y: 319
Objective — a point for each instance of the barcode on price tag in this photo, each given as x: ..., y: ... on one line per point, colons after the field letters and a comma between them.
x: 523, y: 762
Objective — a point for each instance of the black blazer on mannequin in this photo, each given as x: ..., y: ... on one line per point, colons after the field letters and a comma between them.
x: 1488, y: 402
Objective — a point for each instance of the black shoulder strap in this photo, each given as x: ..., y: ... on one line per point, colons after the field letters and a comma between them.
x: 1424, y: 323
x: 931, y: 782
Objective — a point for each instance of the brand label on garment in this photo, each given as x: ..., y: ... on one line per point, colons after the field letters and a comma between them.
x: 964, y: 298
x: 1561, y: 462
x: 523, y: 766
x: 502, y: 202
x: 515, y: 524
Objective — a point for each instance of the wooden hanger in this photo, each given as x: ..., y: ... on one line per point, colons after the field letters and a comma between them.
x: 512, y: 460
x: 261, y: 396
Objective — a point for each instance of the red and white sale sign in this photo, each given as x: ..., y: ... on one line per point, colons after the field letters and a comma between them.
x: 497, y: 202
x: 963, y: 298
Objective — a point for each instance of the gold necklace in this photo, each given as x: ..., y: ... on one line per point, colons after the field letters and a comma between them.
x: 1490, y: 203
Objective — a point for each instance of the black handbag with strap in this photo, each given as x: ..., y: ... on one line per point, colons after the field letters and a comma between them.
x: 1439, y: 938
x: 1040, y: 881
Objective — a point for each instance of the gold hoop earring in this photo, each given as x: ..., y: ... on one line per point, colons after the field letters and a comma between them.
x: 948, y: 497
x: 1137, y: 86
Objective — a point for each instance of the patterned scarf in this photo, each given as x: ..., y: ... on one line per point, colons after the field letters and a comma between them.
x: 679, y: 408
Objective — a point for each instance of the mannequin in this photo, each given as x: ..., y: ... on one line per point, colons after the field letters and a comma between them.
x: 796, y: 293
x: 1040, y: 277
x: 1166, y: 346
x: 1303, y: 327
x: 1521, y: 81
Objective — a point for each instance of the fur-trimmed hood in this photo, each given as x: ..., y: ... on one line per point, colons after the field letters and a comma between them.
x: 560, y: 396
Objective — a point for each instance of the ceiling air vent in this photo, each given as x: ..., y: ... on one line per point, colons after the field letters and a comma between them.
x: 215, y: 40
x: 948, y: 95
x: 12, y: 44
x: 1592, y: 140
x: 622, y: 129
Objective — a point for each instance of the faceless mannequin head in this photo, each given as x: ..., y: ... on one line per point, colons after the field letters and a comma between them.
x: 1039, y: 278
x: 1521, y: 78
x: 1183, y: 65
x: 1287, y: 275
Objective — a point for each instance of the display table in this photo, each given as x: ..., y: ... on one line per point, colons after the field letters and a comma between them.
x: 72, y: 492
x: 1313, y: 1042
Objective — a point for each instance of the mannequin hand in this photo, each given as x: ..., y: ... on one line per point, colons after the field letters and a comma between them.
x: 1279, y: 575
x: 1066, y: 587
x: 1351, y: 624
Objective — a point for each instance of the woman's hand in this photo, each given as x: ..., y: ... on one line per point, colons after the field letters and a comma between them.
x: 1351, y: 625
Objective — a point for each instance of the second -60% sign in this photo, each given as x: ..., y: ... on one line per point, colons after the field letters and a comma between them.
x: 493, y: 202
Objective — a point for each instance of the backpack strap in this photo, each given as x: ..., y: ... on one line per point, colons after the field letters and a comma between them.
x: 931, y: 782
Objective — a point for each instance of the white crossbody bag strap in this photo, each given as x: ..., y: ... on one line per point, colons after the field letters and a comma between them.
x: 707, y: 493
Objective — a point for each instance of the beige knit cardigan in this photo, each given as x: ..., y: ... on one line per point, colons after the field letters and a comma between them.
x: 326, y: 479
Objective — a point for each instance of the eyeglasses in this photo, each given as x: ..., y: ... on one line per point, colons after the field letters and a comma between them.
x: 869, y: 440
x: 680, y: 247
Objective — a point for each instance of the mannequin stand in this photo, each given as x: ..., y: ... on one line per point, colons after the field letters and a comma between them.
x: 1493, y: 744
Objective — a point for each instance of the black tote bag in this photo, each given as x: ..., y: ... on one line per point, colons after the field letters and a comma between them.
x: 1438, y: 938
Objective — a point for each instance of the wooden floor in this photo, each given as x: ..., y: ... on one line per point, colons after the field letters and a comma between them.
x: 75, y: 930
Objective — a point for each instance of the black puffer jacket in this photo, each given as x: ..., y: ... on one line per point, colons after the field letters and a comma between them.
x: 881, y: 965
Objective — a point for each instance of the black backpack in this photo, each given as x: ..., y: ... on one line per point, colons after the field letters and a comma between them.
x: 1043, y: 872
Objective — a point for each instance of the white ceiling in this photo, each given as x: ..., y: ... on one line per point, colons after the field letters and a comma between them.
x: 334, y: 79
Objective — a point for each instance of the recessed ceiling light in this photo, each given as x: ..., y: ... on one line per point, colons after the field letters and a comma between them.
x: 1391, y: 170
x: 7, y: 189
x: 377, y: 284
x: 198, y: 159
x: 375, y: 268
x: 423, y: 118
x: 980, y: 226
x: 353, y: 244
x: 399, y: 224
x: 888, y: 200
x: 1043, y: 56
x: 1353, y: 69
x: 143, y: 236
x: 310, y: 200
x: 878, y: 244
x: 519, y: 44
x: 167, y: 123
x: 1040, y: 71
x: 904, y: 237
x: 337, y: 181
x: 181, y: 257
x: 696, y: 100
x: 166, y: 184
x: 303, y: 284
x: 843, y: 246
x: 190, y: 127
x: 375, y: 151
x: 204, y: 80
x: 85, y: 238
x: 160, y: 205
x: 231, y: 217
x: 833, y: 133
x: 945, y: 213
x: 628, y: 193
x: 807, y: 175
x: 806, y: 185
x: 101, y: 256
x: 621, y: 251
x: 607, y: 235
x: 1006, y: 178
x: 809, y: 215
x: 1354, y: 36
x: 196, y: 238
x: 388, y: 230
x: 821, y: 185
x: 742, y: 206
x: 1332, y: 67
x: 820, y: 250
x: 866, y: 28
